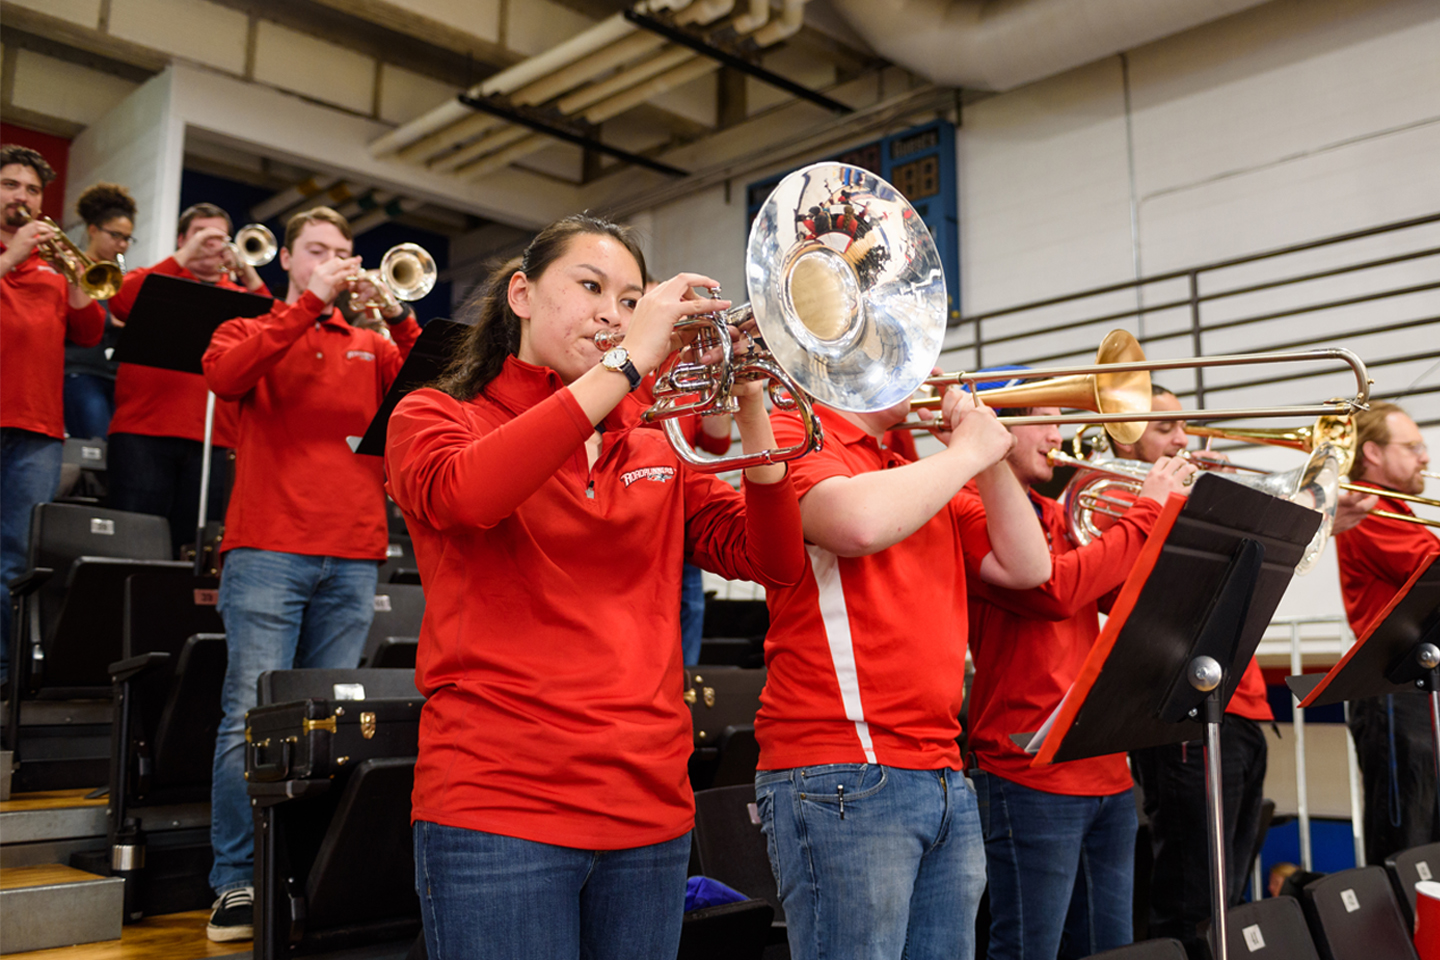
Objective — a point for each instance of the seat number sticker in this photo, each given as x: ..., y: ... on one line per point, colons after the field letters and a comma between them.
x: 1254, y: 939
x: 1422, y: 870
x: 382, y: 603
x: 103, y: 527
x: 1352, y: 902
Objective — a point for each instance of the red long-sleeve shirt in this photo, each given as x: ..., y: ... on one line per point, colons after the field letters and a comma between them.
x: 35, y: 321
x: 1377, y: 556
x: 305, y: 382
x: 1029, y: 646
x: 550, y: 648
x: 168, y: 403
x: 866, y: 655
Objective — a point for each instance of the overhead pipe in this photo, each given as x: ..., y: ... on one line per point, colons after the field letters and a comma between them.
x: 754, y: 18
x: 608, y: 31
x: 792, y: 18
x: 1002, y: 44
x: 389, y: 211
x: 289, y: 197
x: 496, y: 140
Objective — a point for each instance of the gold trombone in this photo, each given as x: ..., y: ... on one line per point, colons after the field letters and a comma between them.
x: 100, y: 279
x: 1122, y: 403
x: 1306, y: 439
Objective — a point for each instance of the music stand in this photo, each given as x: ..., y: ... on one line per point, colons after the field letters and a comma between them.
x: 1399, y: 653
x: 170, y: 327
x: 1187, y: 621
x: 427, y: 360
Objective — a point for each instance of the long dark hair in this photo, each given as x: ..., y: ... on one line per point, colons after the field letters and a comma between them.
x: 494, y: 333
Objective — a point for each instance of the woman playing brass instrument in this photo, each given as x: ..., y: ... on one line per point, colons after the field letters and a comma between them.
x: 551, y: 804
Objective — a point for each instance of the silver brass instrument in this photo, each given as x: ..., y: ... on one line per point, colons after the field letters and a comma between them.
x: 254, y: 244
x: 406, y: 272
x: 848, y: 294
x: 99, y: 279
x: 1315, y: 484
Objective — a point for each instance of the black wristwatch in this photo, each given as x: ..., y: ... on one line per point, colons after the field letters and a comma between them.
x: 618, y: 359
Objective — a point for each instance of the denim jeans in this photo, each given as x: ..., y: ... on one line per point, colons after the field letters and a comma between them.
x: 1173, y: 779
x: 89, y: 405
x: 692, y: 613
x: 29, y: 475
x: 161, y: 476
x: 874, y: 862
x: 281, y: 611
x: 503, y: 898
x: 1061, y: 870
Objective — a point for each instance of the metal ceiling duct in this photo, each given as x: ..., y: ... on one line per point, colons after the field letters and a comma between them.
x: 1002, y: 44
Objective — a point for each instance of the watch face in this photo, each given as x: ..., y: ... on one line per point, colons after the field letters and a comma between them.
x: 615, y: 358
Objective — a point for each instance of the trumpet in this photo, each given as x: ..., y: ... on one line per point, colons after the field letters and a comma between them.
x: 1307, y: 439
x: 99, y: 279
x: 254, y: 244
x: 1121, y: 404
x: 848, y: 295
x: 406, y: 272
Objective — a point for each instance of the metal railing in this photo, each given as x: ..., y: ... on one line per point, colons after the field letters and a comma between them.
x: 1376, y: 291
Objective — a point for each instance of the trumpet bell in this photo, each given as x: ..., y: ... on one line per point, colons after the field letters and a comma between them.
x: 101, y: 280
x: 408, y: 270
x: 847, y: 287
x: 255, y: 244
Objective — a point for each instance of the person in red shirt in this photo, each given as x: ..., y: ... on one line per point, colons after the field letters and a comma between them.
x: 552, y: 808
x: 39, y: 312
x: 1392, y: 734
x: 157, y: 433
x: 1172, y: 777
x: 871, y: 824
x: 109, y: 214
x: 1059, y: 839
x: 305, y: 529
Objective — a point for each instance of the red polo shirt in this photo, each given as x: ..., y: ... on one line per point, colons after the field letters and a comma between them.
x: 304, y: 382
x: 168, y: 403
x: 1029, y: 646
x: 35, y: 321
x: 1377, y: 556
x: 866, y: 655
x: 550, y: 649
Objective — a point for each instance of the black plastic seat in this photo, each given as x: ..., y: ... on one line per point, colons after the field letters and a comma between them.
x: 729, y: 846
x: 723, y: 703
x: 399, y: 610
x: 1162, y: 949
x: 727, y: 931
x: 1353, y: 915
x: 285, y: 686
x: 1409, y: 867
x: 1275, y: 925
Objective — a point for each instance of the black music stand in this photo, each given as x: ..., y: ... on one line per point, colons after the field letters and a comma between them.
x: 427, y: 360
x: 1186, y: 623
x: 170, y: 327
x: 1400, y: 652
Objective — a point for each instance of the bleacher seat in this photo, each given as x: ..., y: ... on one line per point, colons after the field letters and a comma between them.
x: 1274, y: 928
x: 1353, y: 915
x: 729, y: 847
x: 1162, y: 949
x: 723, y: 703
x: 1409, y: 867
x: 399, y: 610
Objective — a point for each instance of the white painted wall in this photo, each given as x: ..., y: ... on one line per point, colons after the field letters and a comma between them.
x: 140, y: 143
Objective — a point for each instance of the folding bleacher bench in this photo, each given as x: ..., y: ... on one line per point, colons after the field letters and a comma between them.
x: 729, y: 847
x: 1353, y: 915
x: 1409, y: 867
x: 67, y: 632
x: 395, y: 631
x: 1270, y: 929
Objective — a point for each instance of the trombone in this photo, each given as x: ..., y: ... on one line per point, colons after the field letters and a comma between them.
x: 99, y: 279
x: 1306, y: 439
x: 1122, y: 405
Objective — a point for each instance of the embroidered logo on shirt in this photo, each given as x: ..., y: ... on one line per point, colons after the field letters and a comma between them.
x: 658, y: 474
x: 359, y: 355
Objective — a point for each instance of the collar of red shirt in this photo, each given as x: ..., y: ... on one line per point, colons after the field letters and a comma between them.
x: 520, y: 385
x: 842, y: 429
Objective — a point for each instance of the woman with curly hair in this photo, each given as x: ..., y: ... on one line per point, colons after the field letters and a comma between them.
x: 109, y: 214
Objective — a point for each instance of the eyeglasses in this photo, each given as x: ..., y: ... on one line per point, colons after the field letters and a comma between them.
x: 1414, y: 446
x: 119, y: 237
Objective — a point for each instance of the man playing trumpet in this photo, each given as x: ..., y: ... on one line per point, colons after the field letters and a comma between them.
x: 305, y: 531
x: 158, y: 429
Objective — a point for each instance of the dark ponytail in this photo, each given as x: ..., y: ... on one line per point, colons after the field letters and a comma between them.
x: 494, y: 333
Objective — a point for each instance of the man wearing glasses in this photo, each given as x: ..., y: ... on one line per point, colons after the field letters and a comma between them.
x: 1392, y: 734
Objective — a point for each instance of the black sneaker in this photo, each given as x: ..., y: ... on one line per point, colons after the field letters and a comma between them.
x: 233, y: 916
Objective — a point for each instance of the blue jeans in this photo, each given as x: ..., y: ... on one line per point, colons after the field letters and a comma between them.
x: 89, y: 405
x: 161, y: 476
x: 29, y: 475
x: 891, y: 866
x: 502, y: 898
x: 692, y: 613
x: 281, y: 611
x: 1061, y: 870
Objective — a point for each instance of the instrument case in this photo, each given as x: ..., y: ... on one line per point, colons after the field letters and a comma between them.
x: 318, y: 738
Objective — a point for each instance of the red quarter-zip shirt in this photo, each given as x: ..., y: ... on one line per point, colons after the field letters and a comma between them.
x: 35, y: 321
x: 550, y: 649
x: 168, y: 403
x: 305, y: 380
